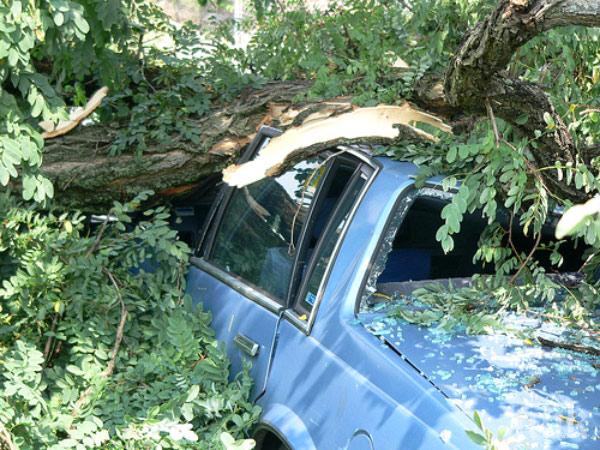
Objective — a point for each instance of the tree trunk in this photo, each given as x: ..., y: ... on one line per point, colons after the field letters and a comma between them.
x: 475, y: 79
x: 87, y: 176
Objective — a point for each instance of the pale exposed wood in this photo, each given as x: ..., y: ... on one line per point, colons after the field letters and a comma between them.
x: 75, y: 117
x: 363, y: 123
x: 6, y: 438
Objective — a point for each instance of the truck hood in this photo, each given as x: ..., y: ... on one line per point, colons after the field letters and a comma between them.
x: 546, y: 398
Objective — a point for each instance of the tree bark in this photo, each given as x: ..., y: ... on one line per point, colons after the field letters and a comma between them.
x: 475, y: 75
x: 87, y: 176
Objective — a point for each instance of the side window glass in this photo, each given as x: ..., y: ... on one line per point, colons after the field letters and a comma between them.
x: 261, y: 227
x: 411, y: 257
x: 326, y: 246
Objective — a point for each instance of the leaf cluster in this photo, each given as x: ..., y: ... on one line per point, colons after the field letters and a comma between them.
x: 64, y: 292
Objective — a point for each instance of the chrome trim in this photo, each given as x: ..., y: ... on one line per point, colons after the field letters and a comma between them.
x: 247, y: 345
x: 360, y: 154
x: 307, y: 328
x: 296, y: 281
x: 403, y: 199
x: 292, y: 316
x: 238, y: 285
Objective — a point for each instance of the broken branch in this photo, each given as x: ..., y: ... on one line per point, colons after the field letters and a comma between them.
x: 75, y: 117
x: 573, y: 347
x: 319, y: 131
x: 83, y: 398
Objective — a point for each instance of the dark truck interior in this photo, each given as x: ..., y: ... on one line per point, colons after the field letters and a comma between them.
x: 416, y: 256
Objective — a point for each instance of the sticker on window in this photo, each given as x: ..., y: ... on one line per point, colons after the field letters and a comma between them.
x: 310, y: 298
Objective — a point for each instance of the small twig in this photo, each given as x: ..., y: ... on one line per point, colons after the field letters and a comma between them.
x: 94, y: 246
x: 6, y: 438
x: 589, y: 111
x: 119, y: 336
x: 573, y: 347
x: 118, y: 339
x: 529, y: 256
x: 510, y: 239
x: 492, y: 117
x: 50, y: 340
x: 405, y: 4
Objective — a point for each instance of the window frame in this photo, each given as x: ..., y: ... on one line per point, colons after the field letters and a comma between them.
x: 370, y: 168
x: 296, y: 280
x: 283, y: 303
x: 265, y: 299
x: 403, y: 204
x: 312, y: 263
x: 215, y: 214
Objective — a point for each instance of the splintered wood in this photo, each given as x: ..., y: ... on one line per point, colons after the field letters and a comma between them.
x: 77, y: 115
x: 383, y: 122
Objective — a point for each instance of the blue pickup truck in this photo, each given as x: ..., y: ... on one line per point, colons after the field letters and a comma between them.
x: 300, y: 273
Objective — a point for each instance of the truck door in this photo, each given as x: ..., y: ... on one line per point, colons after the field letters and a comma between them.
x: 245, y: 272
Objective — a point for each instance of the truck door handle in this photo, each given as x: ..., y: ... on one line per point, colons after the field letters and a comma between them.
x: 247, y: 345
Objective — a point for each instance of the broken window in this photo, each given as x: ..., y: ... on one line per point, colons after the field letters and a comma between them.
x: 411, y: 257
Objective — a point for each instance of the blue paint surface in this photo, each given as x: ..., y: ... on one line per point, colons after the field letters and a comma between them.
x: 401, y: 386
x: 545, y: 398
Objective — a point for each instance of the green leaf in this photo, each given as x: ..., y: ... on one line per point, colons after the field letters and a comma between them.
x: 477, y: 420
x: 193, y: 393
x: 13, y: 57
x: 59, y: 18
x: 549, y: 120
x: 38, y: 106
x: 451, y: 156
x: 16, y: 8
x: 81, y: 23
x: 522, y: 119
x: 476, y: 437
x: 4, y: 176
x: 575, y: 216
x: 29, y: 186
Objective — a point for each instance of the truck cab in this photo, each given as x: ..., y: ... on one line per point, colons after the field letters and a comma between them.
x: 294, y: 268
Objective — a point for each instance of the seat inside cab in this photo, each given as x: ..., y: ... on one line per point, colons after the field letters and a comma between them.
x: 416, y: 257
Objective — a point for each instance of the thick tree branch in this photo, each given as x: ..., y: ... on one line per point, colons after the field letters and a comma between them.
x: 572, y: 12
x: 87, y: 175
x: 475, y: 75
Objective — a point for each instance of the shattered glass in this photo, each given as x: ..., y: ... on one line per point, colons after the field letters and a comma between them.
x: 546, y: 397
x: 381, y: 258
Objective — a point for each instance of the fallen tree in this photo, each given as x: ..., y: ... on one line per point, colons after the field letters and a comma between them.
x: 82, y: 168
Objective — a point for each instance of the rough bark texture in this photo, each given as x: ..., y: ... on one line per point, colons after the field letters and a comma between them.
x: 86, y: 175
x: 89, y: 177
x: 475, y: 75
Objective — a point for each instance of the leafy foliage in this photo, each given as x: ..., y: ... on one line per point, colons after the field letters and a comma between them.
x: 64, y: 294
x: 58, y: 52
